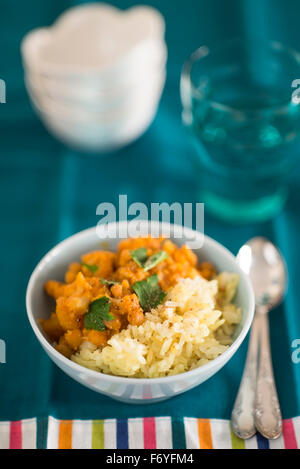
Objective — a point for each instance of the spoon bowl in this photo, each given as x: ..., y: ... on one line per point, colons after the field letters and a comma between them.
x: 262, y: 261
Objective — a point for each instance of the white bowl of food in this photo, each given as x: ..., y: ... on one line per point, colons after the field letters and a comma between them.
x: 144, y: 321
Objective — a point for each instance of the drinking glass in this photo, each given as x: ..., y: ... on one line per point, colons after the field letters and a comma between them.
x: 244, y: 118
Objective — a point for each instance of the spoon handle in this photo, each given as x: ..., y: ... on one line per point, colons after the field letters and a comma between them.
x: 268, y: 420
x: 242, y: 417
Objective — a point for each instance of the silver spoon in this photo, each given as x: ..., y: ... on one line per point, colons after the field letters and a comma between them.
x: 257, y: 406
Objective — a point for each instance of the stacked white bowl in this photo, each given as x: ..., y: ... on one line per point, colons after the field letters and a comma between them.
x: 96, y: 76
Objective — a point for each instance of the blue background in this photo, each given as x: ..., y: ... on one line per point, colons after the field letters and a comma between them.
x: 48, y: 192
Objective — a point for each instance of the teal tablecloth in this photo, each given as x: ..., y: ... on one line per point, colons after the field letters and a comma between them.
x: 48, y: 192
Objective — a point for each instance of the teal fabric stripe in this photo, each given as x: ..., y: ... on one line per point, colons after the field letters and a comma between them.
x: 178, y: 434
x: 41, y: 433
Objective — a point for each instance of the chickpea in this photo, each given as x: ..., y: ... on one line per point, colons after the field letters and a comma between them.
x: 136, y: 317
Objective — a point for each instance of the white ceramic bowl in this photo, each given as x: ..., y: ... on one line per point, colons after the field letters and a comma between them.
x: 108, y: 109
x: 132, y: 390
x: 100, y: 43
x: 100, y: 136
x: 96, y: 75
x: 90, y: 90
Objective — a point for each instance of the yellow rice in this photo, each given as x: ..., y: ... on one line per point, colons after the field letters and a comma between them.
x: 194, y: 325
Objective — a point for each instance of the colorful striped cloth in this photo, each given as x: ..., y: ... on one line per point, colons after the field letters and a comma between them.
x: 137, y: 433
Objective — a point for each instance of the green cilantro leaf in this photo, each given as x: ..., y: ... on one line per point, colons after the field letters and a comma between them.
x: 139, y: 256
x: 97, y: 313
x: 91, y: 267
x: 149, y: 292
x: 109, y: 282
x: 155, y: 259
x: 147, y: 263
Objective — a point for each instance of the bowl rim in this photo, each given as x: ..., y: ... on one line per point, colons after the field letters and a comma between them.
x: 205, y: 50
x: 51, y: 351
x: 48, y: 67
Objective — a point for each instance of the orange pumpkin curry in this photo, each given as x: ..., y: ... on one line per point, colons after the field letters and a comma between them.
x: 106, y: 291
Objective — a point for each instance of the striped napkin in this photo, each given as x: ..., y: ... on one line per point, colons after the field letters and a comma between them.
x: 138, y: 433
